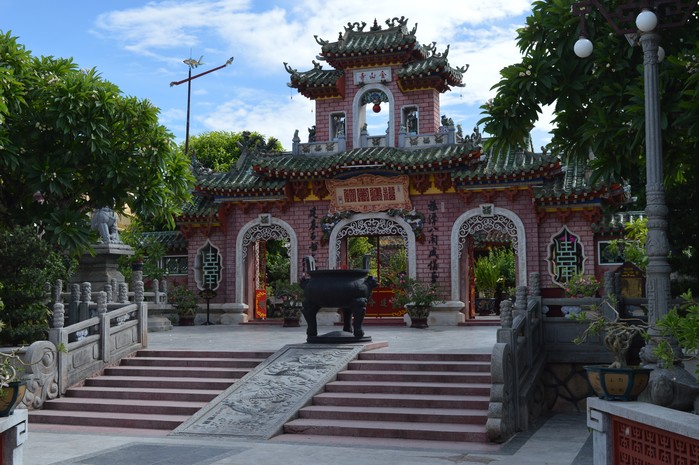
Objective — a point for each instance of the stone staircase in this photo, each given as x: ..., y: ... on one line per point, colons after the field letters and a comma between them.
x: 393, y: 396
x: 155, y: 390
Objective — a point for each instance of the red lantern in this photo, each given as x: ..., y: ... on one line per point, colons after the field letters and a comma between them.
x: 377, y: 108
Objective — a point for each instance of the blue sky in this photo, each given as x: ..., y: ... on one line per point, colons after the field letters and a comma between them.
x: 139, y: 46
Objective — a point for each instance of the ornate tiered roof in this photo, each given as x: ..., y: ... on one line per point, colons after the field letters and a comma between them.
x: 420, y: 66
x: 270, y: 176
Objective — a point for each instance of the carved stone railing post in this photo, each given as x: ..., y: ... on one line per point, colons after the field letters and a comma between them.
x: 138, y: 292
x: 85, y: 299
x: 521, y: 301
x: 101, y: 303
x: 156, y: 291
x: 165, y: 289
x: 74, y: 304
x: 108, y: 290
x: 86, y: 292
x: 506, y: 314
x: 113, y: 283
x: 59, y: 315
x: 123, y: 296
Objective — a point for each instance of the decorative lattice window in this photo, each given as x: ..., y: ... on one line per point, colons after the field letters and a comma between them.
x: 207, y: 267
x: 175, y: 265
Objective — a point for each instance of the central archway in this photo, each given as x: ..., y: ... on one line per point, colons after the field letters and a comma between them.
x: 372, y: 224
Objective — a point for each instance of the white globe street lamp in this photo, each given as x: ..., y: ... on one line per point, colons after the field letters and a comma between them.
x: 583, y: 47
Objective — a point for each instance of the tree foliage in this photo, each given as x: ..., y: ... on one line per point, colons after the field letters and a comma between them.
x: 598, y: 101
x: 599, y: 108
x: 27, y: 265
x: 219, y: 150
x: 71, y: 142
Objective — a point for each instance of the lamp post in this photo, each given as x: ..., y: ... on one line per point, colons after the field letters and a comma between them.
x: 650, y: 17
x: 192, y: 63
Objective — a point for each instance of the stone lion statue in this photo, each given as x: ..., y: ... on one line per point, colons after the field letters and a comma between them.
x: 104, y: 221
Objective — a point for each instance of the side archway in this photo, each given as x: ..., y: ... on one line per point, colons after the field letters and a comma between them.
x: 477, y: 220
x: 265, y: 227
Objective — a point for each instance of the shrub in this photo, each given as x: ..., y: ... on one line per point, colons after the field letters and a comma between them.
x: 27, y: 265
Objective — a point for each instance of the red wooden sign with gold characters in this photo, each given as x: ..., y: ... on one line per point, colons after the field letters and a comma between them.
x: 369, y: 193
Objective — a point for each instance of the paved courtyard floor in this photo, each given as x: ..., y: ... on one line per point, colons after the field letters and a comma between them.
x: 562, y: 439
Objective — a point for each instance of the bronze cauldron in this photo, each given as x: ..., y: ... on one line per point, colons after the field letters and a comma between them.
x: 348, y: 290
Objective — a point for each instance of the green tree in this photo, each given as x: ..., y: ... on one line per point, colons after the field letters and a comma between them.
x: 71, y: 142
x: 27, y: 265
x: 598, y: 101
x: 599, y: 108
x: 218, y: 150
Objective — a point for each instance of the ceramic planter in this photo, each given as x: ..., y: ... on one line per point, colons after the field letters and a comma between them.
x: 11, y: 396
x: 618, y: 383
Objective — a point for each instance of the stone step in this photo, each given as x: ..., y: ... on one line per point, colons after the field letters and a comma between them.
x: 140, y: 406
x: 180, y: 372
x: 161, y: 382
x: 192, y: 362
x: 399, y: 396
x: 402, y: 388
x: 435, y: 357
x: 405, y: 400
x: 414, y: 376
x: 107, y: 419
x: 389, y: 429
x: 155, y: 390
x: 419, y: 365
x: 183, y: 395
x: 203, y: 354
x: 399, y: 414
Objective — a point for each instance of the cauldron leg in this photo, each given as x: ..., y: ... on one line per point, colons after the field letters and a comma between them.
x: 310, y: 313
x: 347, y: 319
x: 359, y: 310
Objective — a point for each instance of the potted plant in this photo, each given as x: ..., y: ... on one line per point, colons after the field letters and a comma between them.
x: 618, y: 381
x: 12, y: 386
x: 184, y: 302
x: 291, y: 295
x: 417, y: 298
x: 579, y: 286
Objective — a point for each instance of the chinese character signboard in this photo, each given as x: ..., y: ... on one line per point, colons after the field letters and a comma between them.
x: 374, y: 75
x: 369, y: 193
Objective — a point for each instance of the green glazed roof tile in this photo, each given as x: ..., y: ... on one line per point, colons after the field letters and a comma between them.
x: 172, y: 240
